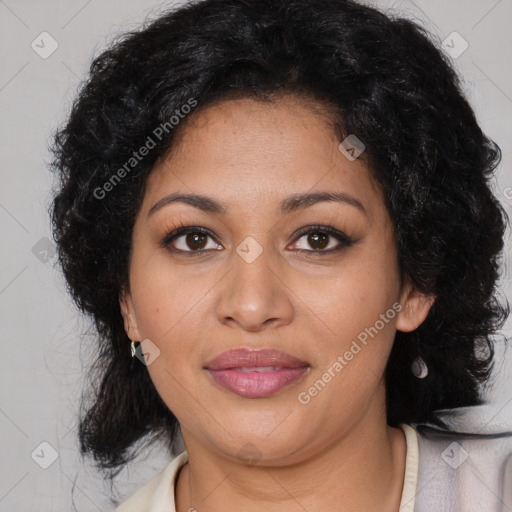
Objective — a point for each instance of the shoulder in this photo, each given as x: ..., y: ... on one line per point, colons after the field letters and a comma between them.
x: 155, y: 493
x: 468, y: 470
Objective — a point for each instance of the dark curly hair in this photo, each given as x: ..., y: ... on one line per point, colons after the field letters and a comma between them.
x: 381, y: 78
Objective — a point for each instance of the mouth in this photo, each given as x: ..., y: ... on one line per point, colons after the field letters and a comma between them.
x: 256, y: 373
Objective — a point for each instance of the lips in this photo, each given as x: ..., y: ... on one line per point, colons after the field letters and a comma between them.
x: 245, y: 358
x: 255, y: 373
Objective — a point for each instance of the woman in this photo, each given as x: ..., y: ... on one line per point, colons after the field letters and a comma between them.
x: 278, y: 214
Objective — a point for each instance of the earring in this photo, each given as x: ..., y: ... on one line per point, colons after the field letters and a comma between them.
x: 419, y: 368
x: 134, y: 347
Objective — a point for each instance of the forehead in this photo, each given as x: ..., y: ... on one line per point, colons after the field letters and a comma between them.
x: 244, y: 149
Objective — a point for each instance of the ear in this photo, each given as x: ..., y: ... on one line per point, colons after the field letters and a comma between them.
x: 415, y: 308
x: 128, y: 313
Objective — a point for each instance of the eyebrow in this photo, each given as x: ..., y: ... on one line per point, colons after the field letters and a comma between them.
x: 290, y: 204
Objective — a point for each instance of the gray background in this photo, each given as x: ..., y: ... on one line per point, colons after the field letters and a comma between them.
x: 44, y: 359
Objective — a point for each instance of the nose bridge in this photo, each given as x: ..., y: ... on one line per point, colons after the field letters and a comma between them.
x: 252, y: 263
x: 252, y: 294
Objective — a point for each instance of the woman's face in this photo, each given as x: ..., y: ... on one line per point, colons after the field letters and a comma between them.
x: 257, y: 275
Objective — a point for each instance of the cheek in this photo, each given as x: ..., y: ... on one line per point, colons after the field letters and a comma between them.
x: 350, y: 315
x: 164, y: 299
x: 171, y: 308
x: 351, y: 298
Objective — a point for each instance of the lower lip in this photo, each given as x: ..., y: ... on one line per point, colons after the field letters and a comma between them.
x: 257, y: 384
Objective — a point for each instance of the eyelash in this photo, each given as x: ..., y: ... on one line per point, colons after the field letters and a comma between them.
x: 327, y: 229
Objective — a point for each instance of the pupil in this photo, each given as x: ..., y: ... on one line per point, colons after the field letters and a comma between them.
x: 318, y: 240
x: 196, y: 241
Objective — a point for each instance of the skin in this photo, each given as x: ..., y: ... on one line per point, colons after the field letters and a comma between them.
x: 337, y: 452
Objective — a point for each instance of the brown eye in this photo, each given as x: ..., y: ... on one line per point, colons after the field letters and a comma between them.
x: 318, y: 240
x: 321, y: 239
x: 196, y: 241
x: 190, y: 240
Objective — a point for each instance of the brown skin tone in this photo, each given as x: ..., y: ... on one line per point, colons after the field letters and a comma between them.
x: 337, y: 452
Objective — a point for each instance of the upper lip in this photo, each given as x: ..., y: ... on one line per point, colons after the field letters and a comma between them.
x: 250, y: 358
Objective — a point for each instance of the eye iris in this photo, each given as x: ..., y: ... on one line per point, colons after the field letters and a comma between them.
x: 318, y: 240
x: 196, y: 240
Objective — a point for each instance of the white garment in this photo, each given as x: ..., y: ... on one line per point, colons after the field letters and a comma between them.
x: 444, y: 472
x: 464, y: 472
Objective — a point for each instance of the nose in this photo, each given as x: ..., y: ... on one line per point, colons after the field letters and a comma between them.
x: 254, y: 295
